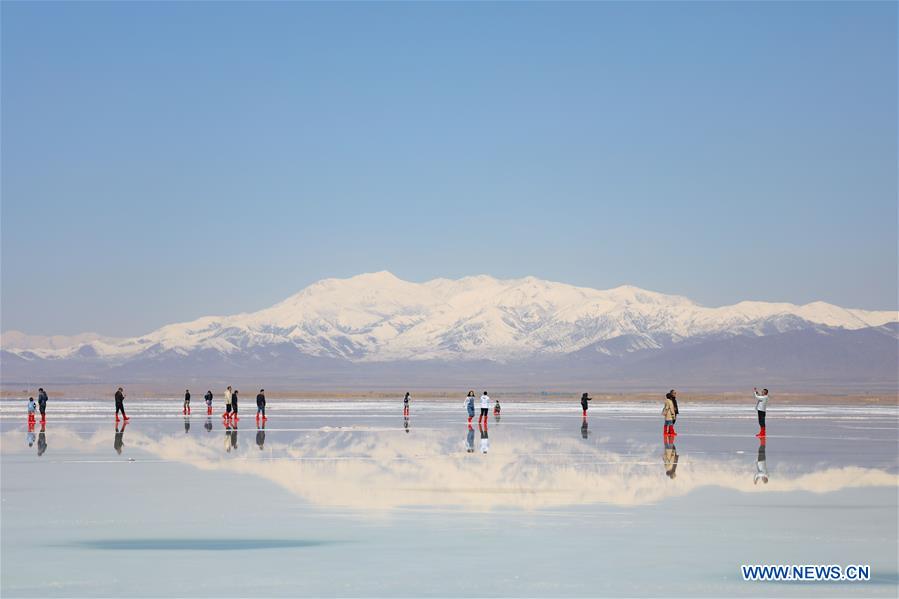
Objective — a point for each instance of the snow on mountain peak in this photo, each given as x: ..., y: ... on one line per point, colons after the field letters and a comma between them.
x: 378, y: 316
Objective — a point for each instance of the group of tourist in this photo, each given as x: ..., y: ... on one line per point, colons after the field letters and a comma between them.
x: 670, y: 409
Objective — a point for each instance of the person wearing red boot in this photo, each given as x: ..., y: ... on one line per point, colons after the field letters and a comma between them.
x: 485, y: 409
x: 42, y: 403
x: 120, y: 404
x: 761, y: 406
x: 186, y: 410
x: 668, y: 416
x: 469, y: 405
x: 32, y: 408
x: 260, y: 405
x: 228, y: 396
x: 584, y: 405
x: 208, y: 398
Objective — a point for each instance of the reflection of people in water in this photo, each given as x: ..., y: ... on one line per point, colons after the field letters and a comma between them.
x: 208, y: 425
x: 119, y: 442
x: 186, y: 425
x: 585, y: 431
x: 228, y: 435
x: 761, y: 466
x: 485, y: 441
x: 670, y: 457
x: 469, y: 440
x: 29, y: 438
x: 42, y: 439
x: 233, y: 432
x: 406, y: 423
x: 260, y: 435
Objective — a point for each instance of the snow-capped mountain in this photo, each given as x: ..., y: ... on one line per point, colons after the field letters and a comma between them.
x: 378, y: 317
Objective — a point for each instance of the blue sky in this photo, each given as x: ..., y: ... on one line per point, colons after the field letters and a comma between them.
x: 163, y: 161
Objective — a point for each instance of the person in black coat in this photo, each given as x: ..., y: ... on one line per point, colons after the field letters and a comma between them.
x: 120, y: 404
x: 672, y: 395
x: 584, y: 400
x: 260, y: 405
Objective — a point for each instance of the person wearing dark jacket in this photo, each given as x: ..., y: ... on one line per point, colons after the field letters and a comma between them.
x: 672, y: 395
x: 42, y: 403
x: 186, y: 409
x: 120, y: 404
x: 234, y: 404
x: 584, y: 406
x: 208, y: 398
x: 260, y: 405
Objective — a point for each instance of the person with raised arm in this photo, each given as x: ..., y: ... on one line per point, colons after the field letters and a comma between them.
x: 761, y: 406
x: 584, y: 399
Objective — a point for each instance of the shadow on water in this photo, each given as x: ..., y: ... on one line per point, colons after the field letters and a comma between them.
x: 196, y: 544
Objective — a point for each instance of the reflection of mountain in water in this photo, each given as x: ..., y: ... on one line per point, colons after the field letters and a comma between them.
x: 378, y: 470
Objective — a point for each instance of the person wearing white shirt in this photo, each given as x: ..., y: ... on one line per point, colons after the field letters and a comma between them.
x: 485, y: 408
x: 761, y: 406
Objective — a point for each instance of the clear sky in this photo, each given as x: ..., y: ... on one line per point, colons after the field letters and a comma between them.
x: 164, y: 161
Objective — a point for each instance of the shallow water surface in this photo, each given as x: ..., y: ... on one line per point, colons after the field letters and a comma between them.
x: 351, y: 499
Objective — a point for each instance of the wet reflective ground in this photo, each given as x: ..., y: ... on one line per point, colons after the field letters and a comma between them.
x: 351, y: 499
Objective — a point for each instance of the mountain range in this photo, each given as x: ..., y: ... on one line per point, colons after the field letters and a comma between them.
x: 375, y: 329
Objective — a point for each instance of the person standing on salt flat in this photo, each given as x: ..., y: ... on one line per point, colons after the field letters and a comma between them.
x: 668, y: 416
x: 32, y: 407
x: 227, y: 413
x: 406, y: 404
x: 234, y: 404
x: 42, y: 403
x: 584, y: 399
x: 186, y: 409
x: 120, y: 404
x: 761, y: 406
x: 260, y: 405
x: 673, y: 396
x: 485, y: 408
x: 208, y: 398
x: 469, y: 406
